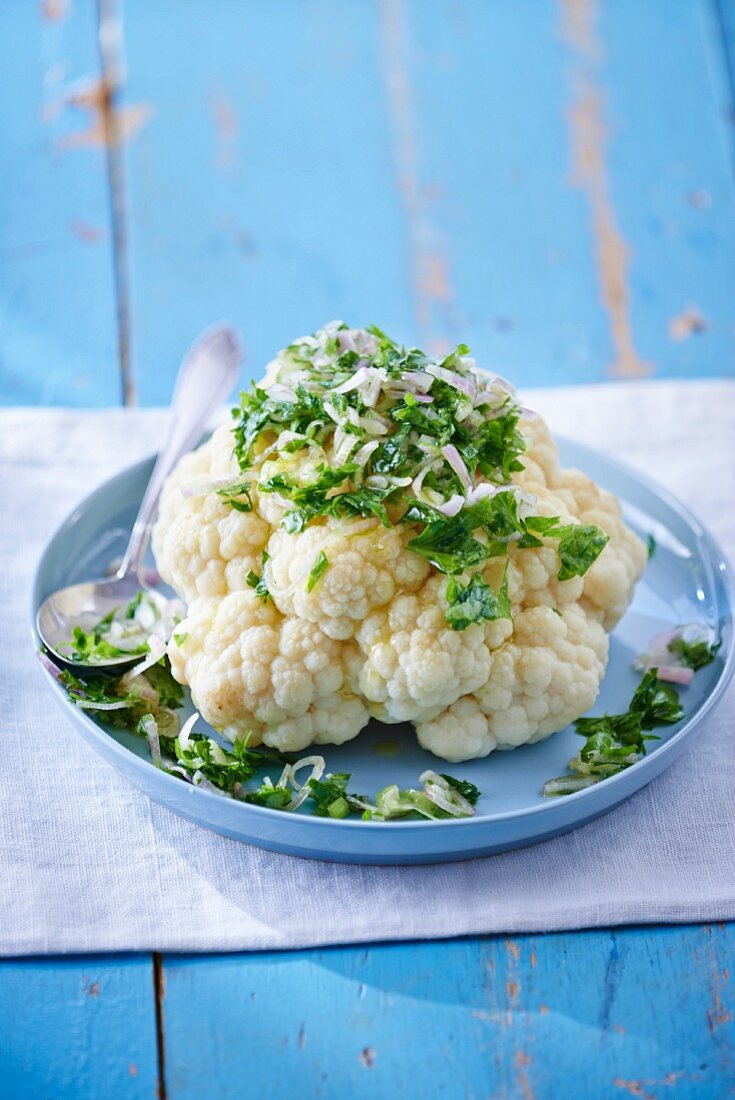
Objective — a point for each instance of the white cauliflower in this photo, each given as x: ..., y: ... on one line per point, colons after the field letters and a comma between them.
x: 310, y: 613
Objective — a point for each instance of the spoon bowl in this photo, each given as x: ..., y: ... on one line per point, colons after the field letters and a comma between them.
x: 84, y: 605
x: 206, y: 377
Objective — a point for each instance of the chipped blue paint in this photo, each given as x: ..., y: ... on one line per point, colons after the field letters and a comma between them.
x: 58, y: 336
x: 77, y: 1028
x: 596, y: 1014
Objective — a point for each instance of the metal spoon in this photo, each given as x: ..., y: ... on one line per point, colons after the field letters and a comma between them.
x: 206, y: 377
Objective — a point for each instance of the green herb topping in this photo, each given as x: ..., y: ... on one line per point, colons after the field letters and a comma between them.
x: 402, y: 437
x: 615, y: 741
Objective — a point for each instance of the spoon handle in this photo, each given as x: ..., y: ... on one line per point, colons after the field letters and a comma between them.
x: 206, y: 376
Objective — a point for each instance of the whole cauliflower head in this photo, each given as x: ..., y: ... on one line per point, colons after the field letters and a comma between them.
x: 386, y: 535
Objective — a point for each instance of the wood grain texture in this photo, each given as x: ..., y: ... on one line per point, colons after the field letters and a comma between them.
x: 73, y: 1028
x: 263, y: 189
x: 534, y: 179
x: 598, y: 1014
x: 725, y: 12
x: 58, y: 338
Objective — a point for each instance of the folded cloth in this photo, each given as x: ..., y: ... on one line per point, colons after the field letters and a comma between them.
x: 87, y: 863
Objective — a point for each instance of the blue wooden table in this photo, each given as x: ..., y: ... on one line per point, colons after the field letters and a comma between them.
x: 551, y: 182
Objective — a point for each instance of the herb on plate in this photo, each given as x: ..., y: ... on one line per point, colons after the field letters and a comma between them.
x: 680, y: 652
x: 147, y: 704
x: 614, y: 742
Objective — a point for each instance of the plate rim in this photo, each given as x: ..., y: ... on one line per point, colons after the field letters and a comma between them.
x: 704, y: 536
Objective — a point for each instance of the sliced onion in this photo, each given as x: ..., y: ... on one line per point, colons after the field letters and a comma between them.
x: 371, y: 392
x: 332, y: 413
x: 317, y: 771
x: 661, y: 642
x: 365, y: 451
x: 418, y: 381
x: 453, y: 506
x: 436, y: 787
x: 418, y: 481
x: 485, y: 490
x: 376, y: 481
x: 150, y: 729
x: 464, y: 385
x: 487, y: 397
x: 437, y: 796
x: 357, y: 380
x: 181, y: 771
x: 423, y: 398
x: 676, y: 674
x: 90, y: 704
x: 343, y: 444
x: 345, y: 340
x: 186, y: 729
x: 281, y: 392
x: 568, y: 784
x: 142, y: 689
x: 372, y: 425
x: 157, y: 649
x: 455, y: 460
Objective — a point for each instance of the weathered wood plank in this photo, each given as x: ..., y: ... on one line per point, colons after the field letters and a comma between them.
x: 58, y: 335
x: 579, y: 154
x: 263, y: 189
x: 632, y: 1011
x: 725, y: 13
x: 72, y: 1028
x: 534, y: 179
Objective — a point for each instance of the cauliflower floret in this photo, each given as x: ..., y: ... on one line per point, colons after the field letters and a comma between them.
x: 251, y: 670
x: 544, y: 678
x: 415, y: 663
x: 203, y: 546
x: 366, y: 569
x: 371, y: 639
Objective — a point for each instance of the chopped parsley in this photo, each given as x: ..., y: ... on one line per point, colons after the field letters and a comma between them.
x: 615, y: 741
x: 147, y: 705
x: 92, y: 647
x: 122, y: 632
x: 257, y: 581
x: 401, y: 437
x: 233, y: 495
x: 694, y: 654
x: 318, y: 570
x: 475, y: 602
x: 651, y: 546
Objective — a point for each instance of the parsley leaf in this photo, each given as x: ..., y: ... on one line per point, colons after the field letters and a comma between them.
x: 694, y: 654
x: 318, y: 569
x: 257, y: 582
x: 475, y: 602
x: 233, y: 495
x: 616, y: 741
x: 579, y: 547
x: 466, y: 789
x: 448, y: 544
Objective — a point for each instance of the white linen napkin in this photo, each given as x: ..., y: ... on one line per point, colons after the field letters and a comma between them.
x: 87, y: 863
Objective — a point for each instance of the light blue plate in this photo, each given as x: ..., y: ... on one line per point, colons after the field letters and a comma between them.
x: 687, y: 580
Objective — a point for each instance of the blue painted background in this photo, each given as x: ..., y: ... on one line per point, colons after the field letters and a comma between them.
x: 551, y: 182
